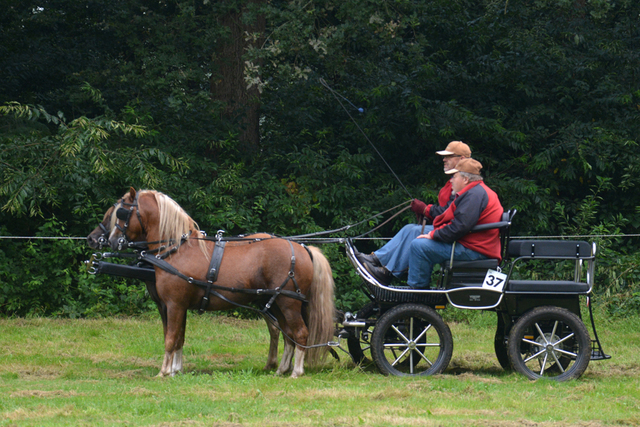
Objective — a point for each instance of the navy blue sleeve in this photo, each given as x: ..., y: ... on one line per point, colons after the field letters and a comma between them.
x: 439, y: 210
x: 468, y: 207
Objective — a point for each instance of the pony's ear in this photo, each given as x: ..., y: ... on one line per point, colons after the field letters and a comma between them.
x: 132, y: 193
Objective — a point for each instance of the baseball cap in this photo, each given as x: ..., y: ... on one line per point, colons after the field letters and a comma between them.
x: 469, y: 165
x: 456, y: 148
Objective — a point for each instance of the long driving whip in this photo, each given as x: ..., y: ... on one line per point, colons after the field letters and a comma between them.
x: 338, y: 96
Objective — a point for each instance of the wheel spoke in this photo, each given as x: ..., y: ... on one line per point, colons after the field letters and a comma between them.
x: 424, y: 331
x: 395, y: 362
x: 398, y: 345
x: 536, y: 343
x: 411, y: 365
x: 425, y: 358
x: 542, y: 333
x: 563, y: 339
x: 555, y: 327
x: 568, y: 353
x: 544, y: 363
x: 533, y: 356
x: 400, y: 334
x: 558, y: 364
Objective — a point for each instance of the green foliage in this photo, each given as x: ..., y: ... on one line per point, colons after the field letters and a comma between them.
x: 545, y: 93
x: 47, y: 278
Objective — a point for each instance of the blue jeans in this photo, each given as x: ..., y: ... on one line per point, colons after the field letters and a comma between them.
x: 418, y: 256
x: 395, y: 254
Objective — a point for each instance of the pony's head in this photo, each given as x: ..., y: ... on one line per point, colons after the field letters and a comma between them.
x: 97, y: 239
x: 148, y: 214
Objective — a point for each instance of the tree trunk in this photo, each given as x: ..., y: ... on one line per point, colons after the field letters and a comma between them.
x: 229, y: 85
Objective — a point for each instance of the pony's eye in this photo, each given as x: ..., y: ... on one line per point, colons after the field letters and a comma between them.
x: 123, y: 214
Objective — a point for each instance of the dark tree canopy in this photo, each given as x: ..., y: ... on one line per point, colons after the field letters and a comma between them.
x: 221, y: 105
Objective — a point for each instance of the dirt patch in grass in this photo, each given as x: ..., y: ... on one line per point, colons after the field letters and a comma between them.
x: 37, y: 372
x: 605, y: 369
x: 39, y: 412
x: 45, y: 393
x: 473, y: 377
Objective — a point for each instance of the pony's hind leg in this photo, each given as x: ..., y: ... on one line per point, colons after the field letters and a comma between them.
x: 274, y: 335
x: 298, y: 366
x: 287, y: 355
x: 296, y: 333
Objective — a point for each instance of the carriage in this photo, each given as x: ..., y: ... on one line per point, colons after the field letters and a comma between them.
x: 540, y: 332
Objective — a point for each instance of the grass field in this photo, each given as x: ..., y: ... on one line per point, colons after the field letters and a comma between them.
x: 102, y: 373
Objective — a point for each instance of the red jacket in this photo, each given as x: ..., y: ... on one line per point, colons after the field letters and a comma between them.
x: 475, y: 204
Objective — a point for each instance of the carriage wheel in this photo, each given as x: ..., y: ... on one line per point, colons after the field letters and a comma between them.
x: 411, y: 339
x: 550, y: 342
x: 359, y: 343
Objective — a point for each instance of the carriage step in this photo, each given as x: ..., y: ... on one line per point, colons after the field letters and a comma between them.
x: 597, y: 353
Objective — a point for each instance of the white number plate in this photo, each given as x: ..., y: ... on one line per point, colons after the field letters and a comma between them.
x: 494, y: 280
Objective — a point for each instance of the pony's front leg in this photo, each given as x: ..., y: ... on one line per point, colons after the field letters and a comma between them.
x: 162, y: 308
x: 173, y: 341
x: 274, y: 335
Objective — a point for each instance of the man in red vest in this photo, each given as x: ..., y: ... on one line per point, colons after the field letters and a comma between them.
x: 473, y: 203
x: 391, y: 257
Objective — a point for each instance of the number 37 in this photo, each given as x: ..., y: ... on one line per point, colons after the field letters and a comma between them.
x: 494, y: 280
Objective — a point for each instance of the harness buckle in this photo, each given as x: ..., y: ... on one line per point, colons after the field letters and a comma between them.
x: 121, y: 242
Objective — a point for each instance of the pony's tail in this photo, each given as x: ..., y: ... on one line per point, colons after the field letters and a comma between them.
x: 321, y: 308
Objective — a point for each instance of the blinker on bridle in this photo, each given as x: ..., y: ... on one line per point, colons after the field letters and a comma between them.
x: 124, y: 214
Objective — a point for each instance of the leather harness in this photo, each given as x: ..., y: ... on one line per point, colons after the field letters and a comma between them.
x: 210, y: 287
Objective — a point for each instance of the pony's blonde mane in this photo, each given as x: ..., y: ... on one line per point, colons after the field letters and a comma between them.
x: 174, y: 221
x: 112, y: 219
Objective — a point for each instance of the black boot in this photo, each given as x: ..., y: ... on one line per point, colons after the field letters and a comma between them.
x: 371, y: 259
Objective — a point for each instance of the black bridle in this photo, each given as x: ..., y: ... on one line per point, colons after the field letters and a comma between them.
x: 123, y: 213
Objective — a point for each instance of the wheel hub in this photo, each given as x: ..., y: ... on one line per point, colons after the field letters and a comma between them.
x: 548, y: 343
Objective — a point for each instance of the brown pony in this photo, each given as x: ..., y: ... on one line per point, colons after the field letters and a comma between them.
x: 97, y: 239
x: 258, y: 262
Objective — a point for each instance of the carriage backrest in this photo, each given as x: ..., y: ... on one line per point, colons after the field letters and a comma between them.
x: 503, y: 227
x: 505, y: 231
x: 554, y: 249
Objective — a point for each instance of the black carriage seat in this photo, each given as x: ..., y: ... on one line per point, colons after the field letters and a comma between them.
x: 503, y: 226
x: 529, y: 250
x: 471, y: 273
